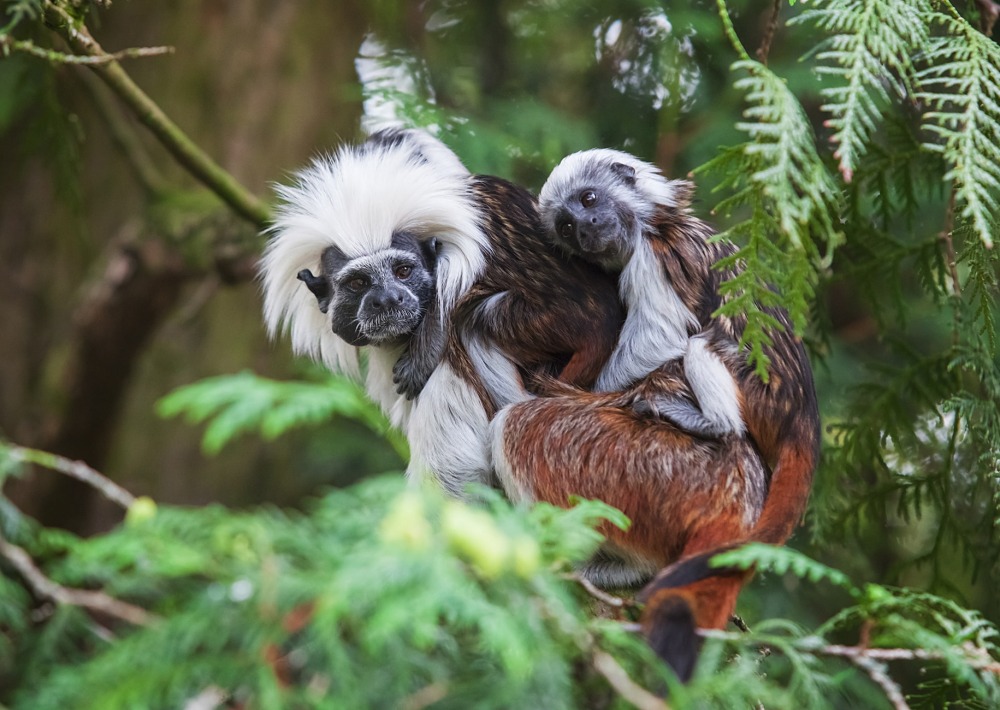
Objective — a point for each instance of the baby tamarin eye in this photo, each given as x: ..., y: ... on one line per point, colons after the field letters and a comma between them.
x: 588, y: 198
x: 403, y: 272
x: 357, y: 283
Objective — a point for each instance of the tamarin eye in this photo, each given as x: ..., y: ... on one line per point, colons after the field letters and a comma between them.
x: 588, y: 198
x: 357, y: 283
x: 403, y: 271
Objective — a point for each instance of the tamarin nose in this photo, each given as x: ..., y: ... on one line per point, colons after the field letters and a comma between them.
x: 388, y: 297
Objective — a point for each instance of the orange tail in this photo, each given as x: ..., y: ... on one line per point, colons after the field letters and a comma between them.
x: 687, y: 596
x: 787, y: 495
x: 690, y: 594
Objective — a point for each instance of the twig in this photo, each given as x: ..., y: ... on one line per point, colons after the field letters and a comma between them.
x: 608, y: 667
x: 974, y: 656
x: 598, y: 594
x: 184, y: 150
x: 730, y: 31
x: 75, y: 469
x: 739, y: 623
x: 877, y: 672
x: 426, y: 696
x: 84, y: 598
x: 9, y: 44
x: 949, y: 245
x: 772, y: 27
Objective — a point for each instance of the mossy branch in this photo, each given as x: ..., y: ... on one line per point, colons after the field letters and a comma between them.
x: 184, y: 150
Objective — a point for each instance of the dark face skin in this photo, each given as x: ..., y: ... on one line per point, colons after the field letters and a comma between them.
x: 591, y: 224
x: 376, y: 299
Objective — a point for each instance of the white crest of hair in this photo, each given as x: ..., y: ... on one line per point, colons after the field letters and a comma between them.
x: 356, y: 200
x: 656, y: 323
x: 713, y: 386
x: 448, y: 434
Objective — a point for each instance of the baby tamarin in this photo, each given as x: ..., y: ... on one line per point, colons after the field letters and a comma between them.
x: 365, y: 219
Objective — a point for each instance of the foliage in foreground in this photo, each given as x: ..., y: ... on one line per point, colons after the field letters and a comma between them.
x: 385, y: 595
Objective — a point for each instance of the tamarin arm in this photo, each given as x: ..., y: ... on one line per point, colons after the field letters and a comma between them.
x: 422, y: 355
x: 715, y: 405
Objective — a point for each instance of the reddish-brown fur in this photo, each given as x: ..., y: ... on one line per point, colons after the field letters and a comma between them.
x: 683, y: 494
x: 781, y: 414
x: 558, y: 315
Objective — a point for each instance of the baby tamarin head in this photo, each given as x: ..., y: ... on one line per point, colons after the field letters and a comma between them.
x: 598, y: 204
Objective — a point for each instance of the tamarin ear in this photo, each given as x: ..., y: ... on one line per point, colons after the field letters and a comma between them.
x: 683, y: 191
x: 625, y: 172
x: 428, y: 249
x: 319, y: 287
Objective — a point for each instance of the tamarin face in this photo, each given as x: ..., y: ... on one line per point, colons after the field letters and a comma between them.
x: 592, y: 213
x: 375, y: 299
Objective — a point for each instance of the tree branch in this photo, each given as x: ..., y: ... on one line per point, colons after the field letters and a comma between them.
x: 598, y: 594
x: 184, y: 150
x: 974, y: 656
x: 9, y: 44
x: 74, y: 469
x: 772, y: 27
x: 83, y: 598
x: 608, y: 667
x: 124, y: 136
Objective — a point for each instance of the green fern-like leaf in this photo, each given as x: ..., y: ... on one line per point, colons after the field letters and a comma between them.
x: 869, y: 56
x: 781, y: 560
x: 237, y: 404
x: 982, y: 289
x: 794, y: 201
x: 961, y: 81
x: 788, y: 169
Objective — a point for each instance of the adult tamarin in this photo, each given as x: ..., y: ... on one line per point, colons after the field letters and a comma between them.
x: 620, y: 213
x: 402, y: 194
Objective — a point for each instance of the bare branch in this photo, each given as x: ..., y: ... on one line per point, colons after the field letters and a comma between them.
x: 772, y: 27
x: 949, y: 246
x: 425, y: 697
x: 74, y: 469
x: 124, y: 136
x: 84, y: 598
x: 608, y: 667
x: 184, y: 150
x: 976, y: 657
x: 9, y: 44
x: 880, y: 677
x: 598, y: 594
